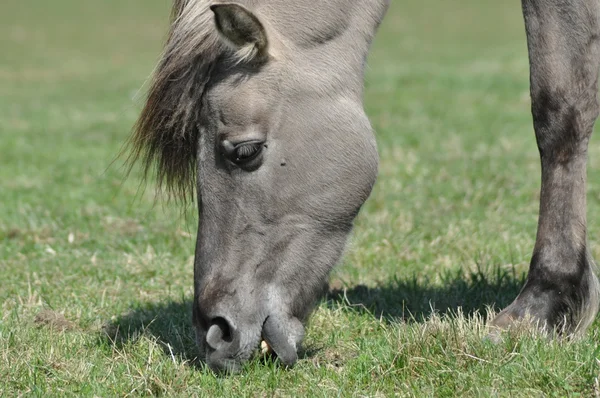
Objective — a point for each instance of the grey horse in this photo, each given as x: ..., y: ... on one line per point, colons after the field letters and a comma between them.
x: 256, y: 107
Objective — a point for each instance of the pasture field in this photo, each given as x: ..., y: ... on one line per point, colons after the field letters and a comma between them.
x: 96, y: 276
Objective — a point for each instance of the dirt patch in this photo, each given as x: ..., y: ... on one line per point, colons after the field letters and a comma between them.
x: 53, y: 320
x: 333, y: 359
x: 13, y: 233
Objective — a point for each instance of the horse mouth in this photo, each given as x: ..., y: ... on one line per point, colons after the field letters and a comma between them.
x: 282, y: 336
x: 279, y: 338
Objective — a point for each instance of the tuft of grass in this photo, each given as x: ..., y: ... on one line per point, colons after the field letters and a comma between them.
x: 96, y: 276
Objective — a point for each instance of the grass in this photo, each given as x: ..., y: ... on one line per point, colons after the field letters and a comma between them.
x: 96, y: 279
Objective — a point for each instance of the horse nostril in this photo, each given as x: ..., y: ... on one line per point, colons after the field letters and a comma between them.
x: 219, y: 333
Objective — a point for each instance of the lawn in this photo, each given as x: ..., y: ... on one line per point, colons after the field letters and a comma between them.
x: 96, y: 275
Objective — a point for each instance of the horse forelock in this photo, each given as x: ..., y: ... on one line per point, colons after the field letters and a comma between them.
x: 165, y: 136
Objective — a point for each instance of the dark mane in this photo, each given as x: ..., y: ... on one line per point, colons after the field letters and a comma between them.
x: 165, y: 137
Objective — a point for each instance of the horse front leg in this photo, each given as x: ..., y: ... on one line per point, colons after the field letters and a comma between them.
x: 563, y: 37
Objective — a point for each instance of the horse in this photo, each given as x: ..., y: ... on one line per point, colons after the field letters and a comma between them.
x: 256, y: 108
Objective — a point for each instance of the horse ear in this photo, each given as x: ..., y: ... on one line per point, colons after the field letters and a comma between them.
x: 241, y: 30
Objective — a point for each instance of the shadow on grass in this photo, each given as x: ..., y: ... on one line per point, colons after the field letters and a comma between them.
x: 411, y: 300
x: 169, y: 323
x: 416, y: 299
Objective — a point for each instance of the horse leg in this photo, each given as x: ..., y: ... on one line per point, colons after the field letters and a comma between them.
x: 561, y: 291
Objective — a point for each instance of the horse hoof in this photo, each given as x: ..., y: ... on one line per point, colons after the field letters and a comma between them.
x: 507, y: 321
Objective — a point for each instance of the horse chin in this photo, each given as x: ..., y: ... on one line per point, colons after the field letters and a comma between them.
x: 282, y: 336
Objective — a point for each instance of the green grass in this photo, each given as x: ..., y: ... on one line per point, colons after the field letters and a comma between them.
x: 447, y: 232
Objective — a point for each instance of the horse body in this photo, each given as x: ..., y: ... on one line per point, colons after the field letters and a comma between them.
x: 258, y: 106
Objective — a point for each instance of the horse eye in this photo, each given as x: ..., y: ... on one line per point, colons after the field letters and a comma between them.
x: 243, y: 152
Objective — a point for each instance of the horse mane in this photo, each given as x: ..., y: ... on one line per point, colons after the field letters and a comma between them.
x: 165, y: 137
